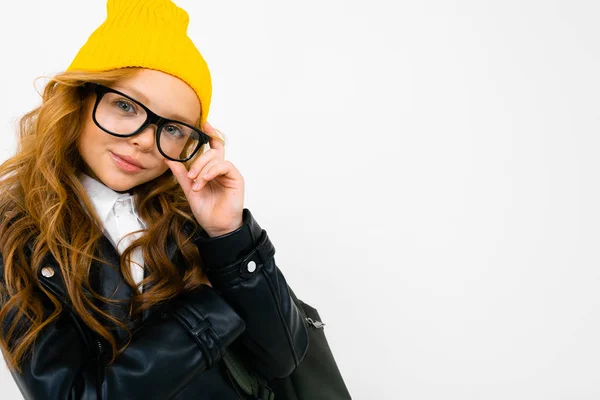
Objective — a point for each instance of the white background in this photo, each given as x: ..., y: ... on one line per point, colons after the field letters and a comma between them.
x: 427, y: 172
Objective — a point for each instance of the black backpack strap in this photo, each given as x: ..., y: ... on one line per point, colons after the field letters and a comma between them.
x: 249, y: 382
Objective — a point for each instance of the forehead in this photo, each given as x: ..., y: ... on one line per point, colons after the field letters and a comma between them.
x: 164, y: 94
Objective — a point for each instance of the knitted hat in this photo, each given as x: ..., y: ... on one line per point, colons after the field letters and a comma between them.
x: 150, y: 34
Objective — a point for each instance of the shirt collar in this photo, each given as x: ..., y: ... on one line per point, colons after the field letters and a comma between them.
x: 101, y: 195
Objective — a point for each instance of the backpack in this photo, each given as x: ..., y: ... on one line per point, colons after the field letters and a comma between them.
x: 317, y: 377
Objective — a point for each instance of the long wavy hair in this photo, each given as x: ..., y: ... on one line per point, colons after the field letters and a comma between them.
x: 39, y: 192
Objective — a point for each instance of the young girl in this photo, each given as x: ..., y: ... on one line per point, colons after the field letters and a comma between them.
x: 128, y: 264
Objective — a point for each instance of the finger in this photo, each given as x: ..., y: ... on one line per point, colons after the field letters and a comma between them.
x: 201, y: 162
x: 213, y: 133
x: 200, y: 182
x: 208, y: 166
x: 216, y: 144
x: 223, y: 168
x: 180, y: 172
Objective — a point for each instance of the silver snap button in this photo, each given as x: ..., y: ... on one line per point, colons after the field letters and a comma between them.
x: 251, y: 266
x: 48, y: 272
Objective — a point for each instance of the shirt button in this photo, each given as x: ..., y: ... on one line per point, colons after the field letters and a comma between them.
x: 48, y: 272
x: 251, y: 266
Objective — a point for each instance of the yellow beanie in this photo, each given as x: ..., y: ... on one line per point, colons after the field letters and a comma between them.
x: 150, y: 34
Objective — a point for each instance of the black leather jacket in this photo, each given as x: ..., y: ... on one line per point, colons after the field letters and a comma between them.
x: 176, y: 350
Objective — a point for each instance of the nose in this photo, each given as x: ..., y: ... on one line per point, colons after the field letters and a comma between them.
x: 145, y: 140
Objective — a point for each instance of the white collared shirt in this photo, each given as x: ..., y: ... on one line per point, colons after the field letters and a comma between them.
x: 118, y: 214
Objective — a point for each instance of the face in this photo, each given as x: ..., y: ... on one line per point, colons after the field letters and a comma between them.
x: 162, y: 93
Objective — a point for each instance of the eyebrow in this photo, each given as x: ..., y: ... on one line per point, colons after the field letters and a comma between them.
x: 139, y: 95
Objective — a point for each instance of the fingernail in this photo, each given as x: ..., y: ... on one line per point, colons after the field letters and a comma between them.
x: 191, y: 173
x: 196, y: 186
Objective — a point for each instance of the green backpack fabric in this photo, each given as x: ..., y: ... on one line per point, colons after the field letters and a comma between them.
x: 317, y: 377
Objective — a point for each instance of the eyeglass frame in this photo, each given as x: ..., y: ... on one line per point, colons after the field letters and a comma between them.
x: 151, y: 119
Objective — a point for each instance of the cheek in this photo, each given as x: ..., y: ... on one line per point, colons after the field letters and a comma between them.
x: 92, y: 139
x: 85, y: 142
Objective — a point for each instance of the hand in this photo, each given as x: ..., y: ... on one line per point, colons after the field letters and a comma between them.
x: 218, y: 202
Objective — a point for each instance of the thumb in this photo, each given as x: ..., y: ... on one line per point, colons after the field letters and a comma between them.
x: 180, y: 172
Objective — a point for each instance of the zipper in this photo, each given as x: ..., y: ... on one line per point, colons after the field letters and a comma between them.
x: 100, y: 370
x: 315, y: 323
x: 100, y: 348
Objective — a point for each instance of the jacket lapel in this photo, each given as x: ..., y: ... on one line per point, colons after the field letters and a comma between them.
x: 106, y: 280
x: 174, y: 256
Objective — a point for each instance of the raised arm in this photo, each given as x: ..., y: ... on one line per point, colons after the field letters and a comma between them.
x: 241, y: 266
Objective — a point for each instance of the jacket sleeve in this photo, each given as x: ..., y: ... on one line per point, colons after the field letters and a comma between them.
x: 186, y: 338
x: 241, y: 266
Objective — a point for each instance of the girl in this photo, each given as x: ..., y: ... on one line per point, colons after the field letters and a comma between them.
x: 128, y: 264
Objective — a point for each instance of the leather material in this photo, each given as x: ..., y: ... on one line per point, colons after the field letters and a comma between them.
x: 250, y: 293
x: 176, y: 349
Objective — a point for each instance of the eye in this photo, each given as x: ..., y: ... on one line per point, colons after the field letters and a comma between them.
x: 173, y: 130
x: 125, y: 105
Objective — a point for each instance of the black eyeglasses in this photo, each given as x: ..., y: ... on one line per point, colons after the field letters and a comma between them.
x: 123, y: 116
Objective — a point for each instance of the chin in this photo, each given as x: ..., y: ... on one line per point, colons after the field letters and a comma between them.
x: 120, y: 188
x: 118, y: 183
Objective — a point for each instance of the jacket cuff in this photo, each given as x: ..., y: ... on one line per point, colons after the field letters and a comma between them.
x: 209, y: 319
x: 221, y: 251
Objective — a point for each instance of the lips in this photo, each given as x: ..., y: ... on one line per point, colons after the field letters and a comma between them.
x: 130, y: 160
